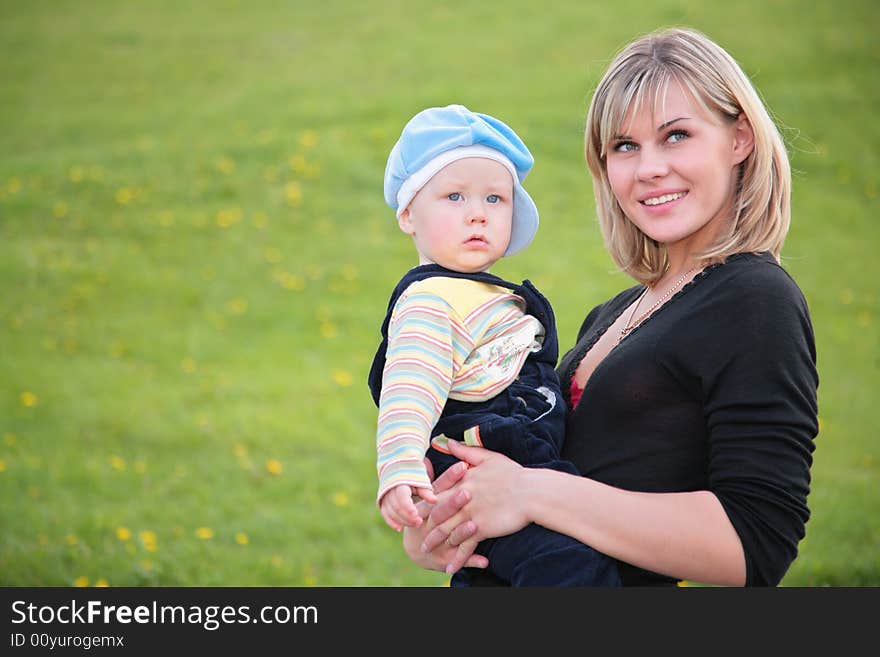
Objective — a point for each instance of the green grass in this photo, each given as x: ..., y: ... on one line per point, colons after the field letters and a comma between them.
x: 195, y: 258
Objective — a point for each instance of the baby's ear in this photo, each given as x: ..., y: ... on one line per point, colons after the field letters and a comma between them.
x: 404, y: 220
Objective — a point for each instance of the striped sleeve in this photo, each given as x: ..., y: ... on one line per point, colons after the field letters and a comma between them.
x: 423, y: 335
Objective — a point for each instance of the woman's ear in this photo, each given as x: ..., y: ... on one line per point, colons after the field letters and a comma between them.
x: 404, y: 220
x: 743, y: 138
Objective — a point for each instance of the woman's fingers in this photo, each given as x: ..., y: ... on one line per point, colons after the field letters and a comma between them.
x: 467, y: 453
x: 449, y: 507
x: 462, y: 555
x: 450, y: 477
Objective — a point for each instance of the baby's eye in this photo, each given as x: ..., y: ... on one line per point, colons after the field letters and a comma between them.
x: 454, y: 196
x: 624, y: 147
x: 493, y: 198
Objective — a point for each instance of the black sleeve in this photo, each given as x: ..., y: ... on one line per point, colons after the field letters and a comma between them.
x: 754, y: 357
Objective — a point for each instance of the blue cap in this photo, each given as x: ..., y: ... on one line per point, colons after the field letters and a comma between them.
x: 438, y: 136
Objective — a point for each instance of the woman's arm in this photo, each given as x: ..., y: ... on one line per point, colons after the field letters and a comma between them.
x: 684, y: 535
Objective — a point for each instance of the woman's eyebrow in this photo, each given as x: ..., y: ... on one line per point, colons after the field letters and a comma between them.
x: 671, y: 121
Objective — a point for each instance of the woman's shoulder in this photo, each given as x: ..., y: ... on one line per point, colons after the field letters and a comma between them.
x: 759, y: 275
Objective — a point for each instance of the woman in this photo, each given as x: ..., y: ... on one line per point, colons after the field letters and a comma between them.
x: 692, y: 408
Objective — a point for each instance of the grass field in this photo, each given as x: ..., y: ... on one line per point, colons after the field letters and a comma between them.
x: 195, y: 259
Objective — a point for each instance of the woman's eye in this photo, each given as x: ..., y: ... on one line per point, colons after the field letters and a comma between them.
x: 676, y: 136
x: 454, y: 196
x: 624, y: 147
x: 493, y: 198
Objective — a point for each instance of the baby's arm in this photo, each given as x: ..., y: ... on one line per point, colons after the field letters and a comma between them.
x: 399, y: 509
x: 416, y: 380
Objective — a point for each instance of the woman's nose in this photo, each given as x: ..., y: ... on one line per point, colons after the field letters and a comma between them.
x: 651, y: 164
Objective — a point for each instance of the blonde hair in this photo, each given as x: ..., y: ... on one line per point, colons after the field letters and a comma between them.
x: 642, y: 72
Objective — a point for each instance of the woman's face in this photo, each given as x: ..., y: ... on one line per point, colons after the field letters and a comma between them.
x: 674, y: 168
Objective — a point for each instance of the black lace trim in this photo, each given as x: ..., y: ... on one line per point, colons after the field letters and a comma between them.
x: 584, y: 348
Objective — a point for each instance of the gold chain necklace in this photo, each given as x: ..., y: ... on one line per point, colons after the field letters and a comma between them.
x: 631, y: 325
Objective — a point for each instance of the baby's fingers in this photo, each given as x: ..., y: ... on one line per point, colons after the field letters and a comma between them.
x: 427, y: 494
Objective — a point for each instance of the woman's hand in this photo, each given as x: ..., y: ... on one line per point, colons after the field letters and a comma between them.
x: 442, y: 554
x: 487, y: 502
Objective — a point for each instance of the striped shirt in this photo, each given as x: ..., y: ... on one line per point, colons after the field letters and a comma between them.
x: 448, y: 338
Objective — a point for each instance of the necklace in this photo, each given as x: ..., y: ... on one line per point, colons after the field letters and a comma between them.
x: 631, y: 325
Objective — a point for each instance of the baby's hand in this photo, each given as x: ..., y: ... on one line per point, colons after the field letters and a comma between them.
x: 398, y: 508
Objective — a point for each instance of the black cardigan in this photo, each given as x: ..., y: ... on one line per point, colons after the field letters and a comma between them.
x: 714, y: 391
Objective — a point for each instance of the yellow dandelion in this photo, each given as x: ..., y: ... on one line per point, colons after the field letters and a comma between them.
x: 60, y: 210
x: 273, y: 466
x: 260, y: 220
x: 125, y: 195
x: 225, y: 165
x: 228, y: 217
x: 117, y: 462
x: 28, y: 399
x: 272, y: 255
x: 289, y: 281
x: 241, y: 538
x: 237, y: 306
x: 350, y: 273
x: 343, y: 378
x: 188, y: 365
x: 14, y: 185
x: 102, y: 583
x: 340, y: 499
x: 76, y: 174
x: 328, y: 330
x: 148, y: 539
x: 81, y: 581
x: 2, y: 465
x: 293, y: 193
x: 10, y: 439
x: 71, y: 539
x: 297, y: 163
x: 205, y: 533
x: 267, y: 136
x: 271, y: 174
x: 123, y: 533
x: 308, y: 138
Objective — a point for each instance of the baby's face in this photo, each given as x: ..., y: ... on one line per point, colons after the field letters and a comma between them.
x: 461, y: 219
